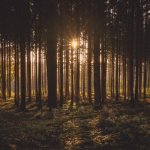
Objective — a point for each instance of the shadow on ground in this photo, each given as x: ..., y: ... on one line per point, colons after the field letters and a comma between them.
x: 115, y: 126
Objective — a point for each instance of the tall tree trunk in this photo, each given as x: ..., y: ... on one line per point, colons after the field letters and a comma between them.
x: 137, y: 55
x: 117, y: 53
x: 72, y: 89
x: 78, y: 53
x: 4, y: 70
x: 140, y: 53
x: 29, y: 65
x: 131, y: 32
x: 67, y: 71
x: 9, y: 69
x: 125, y: 62
x: 145, y: 52
x: 113, y: 86
x: 15, y: 70
x: 61, y: 57
x: 28, y: 56
x: 17, y: 75
x: 97, y: 54
x: 36, y: 56
x: 39, y: 83
x: 40, y: 61
x: 51, y: 54
x: 23, y: 78
x: 3, y: 73
x: 89, y: 54
x: 61, y: 72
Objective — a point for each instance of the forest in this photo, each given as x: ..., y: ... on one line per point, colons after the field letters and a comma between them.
x: 75, y: 74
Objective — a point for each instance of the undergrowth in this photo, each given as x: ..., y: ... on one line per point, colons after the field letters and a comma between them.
x: 115, y: 126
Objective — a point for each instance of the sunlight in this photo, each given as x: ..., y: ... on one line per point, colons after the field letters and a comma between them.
x: 74, y: 44
x: 32, y: 55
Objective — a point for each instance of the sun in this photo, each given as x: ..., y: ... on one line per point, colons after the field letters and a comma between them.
x: 74, y: 44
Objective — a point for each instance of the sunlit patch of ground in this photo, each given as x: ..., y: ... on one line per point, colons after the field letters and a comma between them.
x: 115, y: 126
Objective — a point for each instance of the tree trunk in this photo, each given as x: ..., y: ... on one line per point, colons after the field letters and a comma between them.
x: 137, y: 55
x: 145, y: 52
x: 89, y: 54
x: 67, y: 71
x: 131, y: 32
x: 97, y: 54
x: 51, y: 54
x: 9, y: 70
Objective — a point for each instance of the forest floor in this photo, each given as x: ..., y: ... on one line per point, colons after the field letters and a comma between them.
x: 116, y: 126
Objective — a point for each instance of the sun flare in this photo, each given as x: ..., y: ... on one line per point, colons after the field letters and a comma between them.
x: 74, y: 44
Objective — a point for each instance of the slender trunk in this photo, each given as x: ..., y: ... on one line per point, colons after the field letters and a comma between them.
x: 97, y: 54
x: 61, y: 71
x: 72, y: 90
x: 78, y: 52
x: 4, y: 70
x: 9, y: 70
x: 3, y: 73
x: 23, y: 81
x: 18, y: 75
x: 16, y: 71
x: 39, y: 65
x: 89, y: 54
x: 78, y: 77
x: 117, y: 53
x: 145, y: 52
x: 29, y: 66
x: 67, y: 71
x: 61, y: 56
x: 22, y: 49
x: 131, y: 32
x: 125, y: 62
x: 141, y: 54
x: 112, y: 64
x: 137, y: 56
x: 36, y: 49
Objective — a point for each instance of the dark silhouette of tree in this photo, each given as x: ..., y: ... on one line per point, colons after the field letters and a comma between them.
x: 51, y: 53
x: 97, y: 53
x: 22, y: 49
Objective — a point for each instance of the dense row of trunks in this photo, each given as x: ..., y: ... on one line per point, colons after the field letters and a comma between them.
x: 114, y: 34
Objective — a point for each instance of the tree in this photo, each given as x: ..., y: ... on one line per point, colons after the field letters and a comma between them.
x: 131, y: 33
x: 22, y: 48
x: 97, y: 54
x: 51, y: 54
x: 89, y: 53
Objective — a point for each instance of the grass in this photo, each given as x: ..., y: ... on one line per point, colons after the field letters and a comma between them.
x: 115, y: 127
